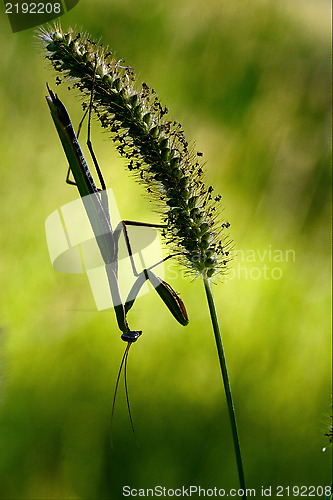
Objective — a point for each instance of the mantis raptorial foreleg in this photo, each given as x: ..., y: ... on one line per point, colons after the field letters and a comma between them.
x: 165, y: 291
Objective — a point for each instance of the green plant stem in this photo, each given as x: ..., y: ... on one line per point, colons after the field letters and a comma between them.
x: 225, y: 377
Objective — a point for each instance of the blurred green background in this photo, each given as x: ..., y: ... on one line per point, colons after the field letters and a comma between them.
x: 250, y: 83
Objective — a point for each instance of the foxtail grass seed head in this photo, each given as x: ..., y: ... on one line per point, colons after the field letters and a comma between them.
x: 155, y: 148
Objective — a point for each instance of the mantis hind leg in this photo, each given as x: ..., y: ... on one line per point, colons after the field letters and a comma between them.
x: 122, y: 226
x: 68, y: 180
x: 89, y: 143
x: 88, y: 112
x: 165, y: 291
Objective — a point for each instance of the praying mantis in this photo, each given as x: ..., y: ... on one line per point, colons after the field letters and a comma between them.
x: 96, y: 205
